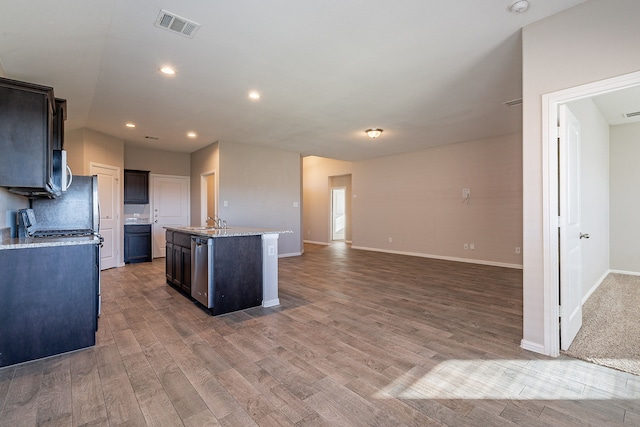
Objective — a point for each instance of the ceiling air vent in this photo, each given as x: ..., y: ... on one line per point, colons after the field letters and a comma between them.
x: 513, y: 103
x: 176, y: 24
x: 629, y: 115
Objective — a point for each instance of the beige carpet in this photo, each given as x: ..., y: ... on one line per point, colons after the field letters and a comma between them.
x: 610, y: 334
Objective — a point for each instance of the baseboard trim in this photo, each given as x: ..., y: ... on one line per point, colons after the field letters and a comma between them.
x: 596, y: 286
x: 271, y: 302
x: 532, y: 346
x: 446, y: 258
x: 290, y: 254
x: 316, y: 243
x: 628, y: 273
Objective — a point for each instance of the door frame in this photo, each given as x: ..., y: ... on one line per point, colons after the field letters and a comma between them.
x: 204, y: 195
x: 331, y: 230
x: 550, y: 109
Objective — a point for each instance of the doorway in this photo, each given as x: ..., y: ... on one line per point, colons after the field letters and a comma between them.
x: 338, y: 213
x: 340, y: 208
x: 552, y: 200
x: 208, y: 198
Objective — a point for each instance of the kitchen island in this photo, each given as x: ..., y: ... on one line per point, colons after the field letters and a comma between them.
x: 224, y: 269
x: 48, y: 296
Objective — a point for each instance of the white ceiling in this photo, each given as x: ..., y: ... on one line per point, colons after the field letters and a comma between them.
x: 429, y: 72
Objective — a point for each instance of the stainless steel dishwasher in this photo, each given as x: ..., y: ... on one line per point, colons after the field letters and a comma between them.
x: 202, y: 270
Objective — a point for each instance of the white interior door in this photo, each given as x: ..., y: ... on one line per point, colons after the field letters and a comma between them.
x: 338, y: 213
x: 109, y: 200
x: 170, y: 205
x: 570, y: 233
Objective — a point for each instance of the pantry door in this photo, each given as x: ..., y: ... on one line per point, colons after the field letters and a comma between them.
x: 169, y: 207
x: 109, y: 207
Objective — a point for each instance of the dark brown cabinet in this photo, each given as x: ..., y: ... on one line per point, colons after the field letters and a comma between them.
x: 137, y: 243
x: 136, y: 187
x: 32, y: 127
x: 178, y: 260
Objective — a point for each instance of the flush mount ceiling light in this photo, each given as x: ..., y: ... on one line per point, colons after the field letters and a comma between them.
x: 169, y: 71
x: 254, y: 95
x: 373, y: 133
x: 130, y: 125
x: 519, y: 6
x: 191, y: 134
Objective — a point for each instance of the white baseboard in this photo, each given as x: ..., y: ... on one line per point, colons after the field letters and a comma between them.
x: 532, y: 346
x: 596, y: 286
x: 271, y: 303
x: 315, y: 243
x: 628, y: 273
x: 290, y: 254
x: 446, y: 258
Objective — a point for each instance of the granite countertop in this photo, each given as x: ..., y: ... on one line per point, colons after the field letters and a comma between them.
x: 227, y: 232
x: 39, y: 242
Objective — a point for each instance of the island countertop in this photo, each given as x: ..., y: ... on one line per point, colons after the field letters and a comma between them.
x: 226, y: 232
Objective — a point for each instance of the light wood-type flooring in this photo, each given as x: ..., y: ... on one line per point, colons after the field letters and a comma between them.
x: 360, y: 339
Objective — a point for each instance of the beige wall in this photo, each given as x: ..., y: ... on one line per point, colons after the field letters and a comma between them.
x: 262, y: 188
x: 625, y: 205
x: 86, y: 146
x: 416, y: 200
x: 157, y: 161
x: 590, y: 42
x: 317, y: 172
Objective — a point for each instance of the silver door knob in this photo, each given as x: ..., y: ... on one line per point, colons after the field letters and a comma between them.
x: 584, y: 236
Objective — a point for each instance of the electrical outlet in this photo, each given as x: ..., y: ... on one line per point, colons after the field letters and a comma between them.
x: 517, y: 249
x: 466, y: 246
x: 466, y: 193
x: 390, y: 240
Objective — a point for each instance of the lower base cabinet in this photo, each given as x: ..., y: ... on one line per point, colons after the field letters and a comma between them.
x: 178, y: 260
x: 50, y: 306
x: 137, y: 243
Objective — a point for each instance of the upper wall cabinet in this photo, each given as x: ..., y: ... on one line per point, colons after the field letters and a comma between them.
x: 136, y: 187
x: 31, y: 137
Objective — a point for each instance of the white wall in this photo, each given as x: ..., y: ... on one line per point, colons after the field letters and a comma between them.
x: 625, y: 203
x: 594, y: 194
x: 596, y: 40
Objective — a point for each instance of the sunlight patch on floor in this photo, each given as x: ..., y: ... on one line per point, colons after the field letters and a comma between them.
x: 510, y: 379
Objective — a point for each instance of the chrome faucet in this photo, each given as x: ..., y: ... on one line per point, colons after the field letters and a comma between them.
x: 217, y: 222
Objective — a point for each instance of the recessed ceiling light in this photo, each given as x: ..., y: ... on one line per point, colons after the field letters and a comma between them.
x: 254, y: 95
x: 169, y: 71
x: 191, y: 134
x: 130, y: 125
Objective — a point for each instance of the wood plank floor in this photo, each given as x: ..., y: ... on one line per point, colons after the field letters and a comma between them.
x: 360, y: 339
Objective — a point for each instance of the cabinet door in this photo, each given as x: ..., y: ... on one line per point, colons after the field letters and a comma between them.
x: 169, y: 264
x: 177, y: 265
x: 137, y: 243
x: 136, y: 187
x: 186, y: 269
